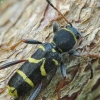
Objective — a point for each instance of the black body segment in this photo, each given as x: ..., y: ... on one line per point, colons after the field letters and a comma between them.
x: 31, y: 70
x: 64, y: 40
x: 35, y: 93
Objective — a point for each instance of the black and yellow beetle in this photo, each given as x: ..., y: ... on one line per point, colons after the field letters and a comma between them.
x: 46, y: 58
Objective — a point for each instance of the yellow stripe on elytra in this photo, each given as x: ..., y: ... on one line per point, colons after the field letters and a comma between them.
x: 32, y: 60
x: 55, y: 61
x: 25, y: 78
x: 71, y: 33
x: 42, y: 69
x: 41, y: 47
x: 53, y: 50
x: 12, y: 91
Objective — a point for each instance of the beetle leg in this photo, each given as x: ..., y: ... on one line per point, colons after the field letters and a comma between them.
x: 49, y: 77
x: 26, y: 41
x: 55, y: 27
x: 41, y: 86
x: 35, y: 92
x: 11, y: 63
x: 74, y: 53
x: 62, y: 83
x: 63, y: 70
x: 60, y: 86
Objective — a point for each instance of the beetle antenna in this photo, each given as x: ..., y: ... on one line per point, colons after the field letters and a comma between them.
x: 59, y: 12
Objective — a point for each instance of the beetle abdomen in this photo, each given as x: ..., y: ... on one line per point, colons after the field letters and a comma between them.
x: 34, y: 70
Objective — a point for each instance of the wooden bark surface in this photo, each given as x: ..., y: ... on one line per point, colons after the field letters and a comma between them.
x: 32, y: 19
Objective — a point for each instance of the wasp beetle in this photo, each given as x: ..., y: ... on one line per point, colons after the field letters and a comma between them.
x: 46, y: 58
